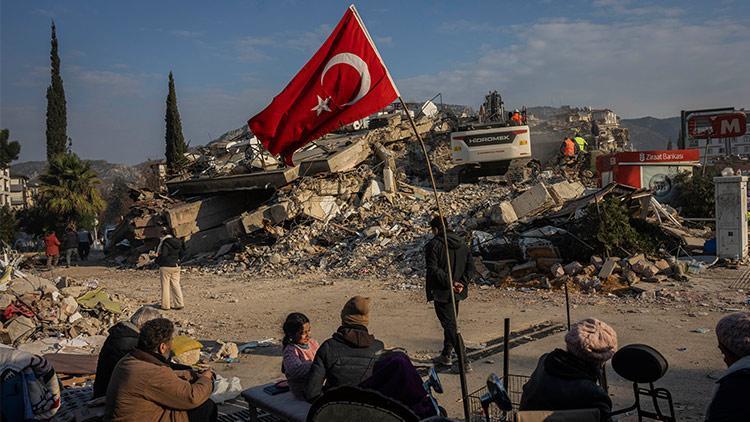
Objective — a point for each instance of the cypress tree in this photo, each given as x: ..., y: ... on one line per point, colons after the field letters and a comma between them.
x: 57, y: 120
x: 176, y: 147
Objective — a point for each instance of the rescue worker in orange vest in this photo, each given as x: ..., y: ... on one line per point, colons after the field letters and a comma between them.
x: 516, y: 118
x: 568, y: 149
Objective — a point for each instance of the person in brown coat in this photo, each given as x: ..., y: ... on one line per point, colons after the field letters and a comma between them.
x: 145, y: 387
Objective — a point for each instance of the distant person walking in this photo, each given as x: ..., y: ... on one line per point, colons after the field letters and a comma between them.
x: 169, y: 253
x: 84, y: 244
x: 70, y: 244
x: 438, y: 283
x: 52, y: 249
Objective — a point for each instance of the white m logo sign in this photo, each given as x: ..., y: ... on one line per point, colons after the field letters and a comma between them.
x: 730, y: 126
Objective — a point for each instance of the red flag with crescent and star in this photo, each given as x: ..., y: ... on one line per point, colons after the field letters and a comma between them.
x: 346, y: 80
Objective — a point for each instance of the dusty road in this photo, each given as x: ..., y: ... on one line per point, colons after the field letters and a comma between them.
x: 240, y: 307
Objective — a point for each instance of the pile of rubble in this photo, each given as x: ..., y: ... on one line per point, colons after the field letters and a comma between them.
x: 230, y: 195
x: 34, y: 308
x: 358, y: 204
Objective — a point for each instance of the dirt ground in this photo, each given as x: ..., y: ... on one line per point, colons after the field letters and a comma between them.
x: 240, y: 307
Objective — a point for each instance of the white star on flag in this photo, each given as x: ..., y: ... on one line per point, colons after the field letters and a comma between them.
x: 322, y: 105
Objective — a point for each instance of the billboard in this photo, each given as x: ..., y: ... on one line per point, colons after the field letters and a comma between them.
x: 725, y: 125
x: 716, y: 132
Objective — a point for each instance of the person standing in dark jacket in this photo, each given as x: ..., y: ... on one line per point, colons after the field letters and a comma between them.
x: 122, y: 339
x: 730, y: 402
x: 570, y: 379
x: 168, y: 255
x: 84, y: 244
x: 70, y: 244
x: 347, y: 358
x: 438, y: 287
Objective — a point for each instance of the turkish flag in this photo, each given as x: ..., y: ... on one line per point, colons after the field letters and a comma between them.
x: 344, y: 81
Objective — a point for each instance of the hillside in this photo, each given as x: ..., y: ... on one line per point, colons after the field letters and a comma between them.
x: 652, y: 133
x: 108, y: 172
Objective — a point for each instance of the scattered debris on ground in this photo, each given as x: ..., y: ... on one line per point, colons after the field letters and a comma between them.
x: 60, y: 313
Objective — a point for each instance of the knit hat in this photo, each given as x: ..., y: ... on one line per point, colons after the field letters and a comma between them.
x: 356, y: 311
x: 592, y: 340
x: 733, y: 332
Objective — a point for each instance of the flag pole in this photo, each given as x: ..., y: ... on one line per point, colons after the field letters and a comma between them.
x: 460, y: 351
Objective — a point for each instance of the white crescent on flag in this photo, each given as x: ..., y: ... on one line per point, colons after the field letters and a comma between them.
x: 359, y: 65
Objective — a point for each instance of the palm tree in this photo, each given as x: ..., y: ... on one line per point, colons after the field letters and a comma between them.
x: 68, y: 189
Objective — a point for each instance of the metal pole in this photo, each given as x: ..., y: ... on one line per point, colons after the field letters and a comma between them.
x: 506, y: 349
x: 567, y: 303
x: 460, y: 350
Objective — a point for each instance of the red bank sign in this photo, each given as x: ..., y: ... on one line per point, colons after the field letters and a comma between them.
x: 728, y: 125
x: 673, y: 156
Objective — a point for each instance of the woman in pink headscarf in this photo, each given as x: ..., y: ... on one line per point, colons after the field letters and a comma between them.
x: 570, y: 379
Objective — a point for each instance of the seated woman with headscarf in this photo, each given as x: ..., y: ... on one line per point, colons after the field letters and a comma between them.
x: 570, y: 379
x: 395, y: 377
x: 729, y: 402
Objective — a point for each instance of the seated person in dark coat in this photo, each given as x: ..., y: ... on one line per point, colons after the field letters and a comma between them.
x: 122, y: 339
x: 394, y: 376
x: 348, y: 356
x: 569, y: 379
x: 730, y: 401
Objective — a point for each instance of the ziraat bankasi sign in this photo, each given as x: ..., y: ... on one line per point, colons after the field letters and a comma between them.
x: 658, y: 156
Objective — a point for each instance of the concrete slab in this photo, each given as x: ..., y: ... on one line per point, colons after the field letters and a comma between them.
x: 207, y: 241
x: 503, y: 213
x: 321, y: 207
x: 345, y: 157
x: 262, y: 180
x: 192, y: 217
x: 532, y: 200
x: 608, y: 268
x: 249, y: 222
x: 565, y: 191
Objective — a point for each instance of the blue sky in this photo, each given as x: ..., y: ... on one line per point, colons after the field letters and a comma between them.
x: 230, y: 58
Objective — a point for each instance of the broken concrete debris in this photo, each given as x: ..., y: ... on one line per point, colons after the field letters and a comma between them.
x: 358, y: 203
x: 34, y: 308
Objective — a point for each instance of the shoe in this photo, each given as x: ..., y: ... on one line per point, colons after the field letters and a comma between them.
x: 165, y: 309
x: 467, y: 368
x: 442, y: 360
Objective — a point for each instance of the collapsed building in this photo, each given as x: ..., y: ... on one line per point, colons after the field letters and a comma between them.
x: 357, y: 204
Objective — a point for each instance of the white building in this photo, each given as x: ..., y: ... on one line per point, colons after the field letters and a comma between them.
x: 21, y: 194
x: 4, y: 187
x: 605, y: 117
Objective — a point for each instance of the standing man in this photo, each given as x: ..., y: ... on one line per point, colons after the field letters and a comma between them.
x: 52, y: 249
x: 581, y: 142
x: 169, y: 253
x: 84, y: 244
x: 438, y: 283
x: 70, y: 244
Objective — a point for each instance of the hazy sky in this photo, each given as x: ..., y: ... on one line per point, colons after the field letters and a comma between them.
x: 230, y: 58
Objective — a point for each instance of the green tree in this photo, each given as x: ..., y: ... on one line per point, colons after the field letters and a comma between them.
x: 695, y: 194
x: 7, y: 225
x: 57, y: 120
x: 9, y: 150
x: 68, y: 190
x: 176, y: 147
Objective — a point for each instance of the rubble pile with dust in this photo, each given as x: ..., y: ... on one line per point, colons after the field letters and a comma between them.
x: 35, y: 308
